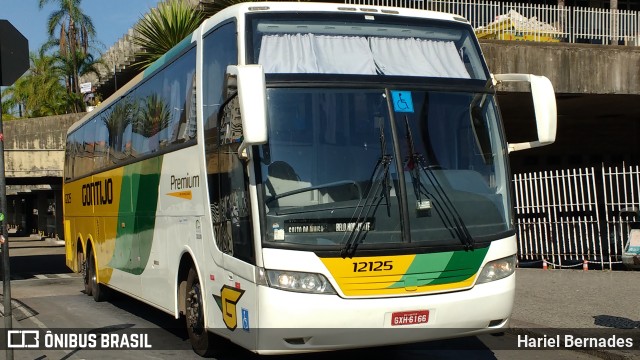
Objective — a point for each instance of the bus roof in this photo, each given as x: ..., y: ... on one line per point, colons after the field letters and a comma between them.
x: 292, y: 6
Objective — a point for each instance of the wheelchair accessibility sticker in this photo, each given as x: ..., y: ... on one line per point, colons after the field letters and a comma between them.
x: 245, y: 319
x: 402, y: 101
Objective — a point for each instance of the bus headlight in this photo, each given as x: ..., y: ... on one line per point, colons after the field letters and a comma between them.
x: 299, y: 281
x: 497, y: 269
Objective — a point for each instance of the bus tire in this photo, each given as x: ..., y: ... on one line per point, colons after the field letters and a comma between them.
x: 83, y: 267
x: 99, y: 291
x: 201, y: 340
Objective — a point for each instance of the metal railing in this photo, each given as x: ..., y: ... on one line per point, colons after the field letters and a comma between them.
x: 558, y: 219
x: 604, y: 26
x: 621, y: 191
x: 567, y: 217
x: 532, y: 22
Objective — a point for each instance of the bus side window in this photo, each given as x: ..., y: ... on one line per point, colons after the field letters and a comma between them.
x: 88, y: 145
x: 228, y: 189
x: 234, y: 207
x: 220, y: 50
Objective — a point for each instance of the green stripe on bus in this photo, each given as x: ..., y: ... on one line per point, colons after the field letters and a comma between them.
x: 442, y: 268
x: 169, y: 55
x: 137, y: 215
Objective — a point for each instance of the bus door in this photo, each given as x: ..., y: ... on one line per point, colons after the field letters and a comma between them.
x: 231, y: 215
x: 228, y: 191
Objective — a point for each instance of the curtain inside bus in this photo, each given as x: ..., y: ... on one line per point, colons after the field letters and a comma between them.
x: 309, y: 53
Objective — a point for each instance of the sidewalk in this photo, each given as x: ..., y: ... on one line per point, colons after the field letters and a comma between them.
x: 33, y: 241
x: 591, y: 302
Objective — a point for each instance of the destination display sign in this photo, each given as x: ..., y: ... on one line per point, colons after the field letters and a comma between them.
x: 327, y: 225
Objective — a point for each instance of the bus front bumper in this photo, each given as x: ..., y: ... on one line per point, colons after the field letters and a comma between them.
x: 296, y: 322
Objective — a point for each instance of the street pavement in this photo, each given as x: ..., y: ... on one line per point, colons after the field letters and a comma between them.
x: 35, y: 256
x: 582, y: 303
x: 591, y: 303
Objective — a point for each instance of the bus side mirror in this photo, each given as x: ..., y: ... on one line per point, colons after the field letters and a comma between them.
x: 252, y: 96
x: 544, y: 104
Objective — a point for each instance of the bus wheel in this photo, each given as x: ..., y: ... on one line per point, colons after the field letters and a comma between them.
x: 83, y: 267
x: 99, y: 291
x: 201, y: 340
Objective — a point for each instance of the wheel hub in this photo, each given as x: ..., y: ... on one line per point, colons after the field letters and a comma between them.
x: 194, y: 310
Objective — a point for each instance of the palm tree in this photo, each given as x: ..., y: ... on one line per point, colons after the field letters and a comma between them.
x: 172, y: 21
x: 153, y: 117
x: 14, y: 98
x: 39, y: 92
x: 48, y: 95
x: 80, y: 64
x: 76, y: 32
x: 163, y: 28
x: 116, y: 119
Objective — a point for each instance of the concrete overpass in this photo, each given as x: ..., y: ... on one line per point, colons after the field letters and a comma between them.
x: 598, y: 89
x: 34, y: 160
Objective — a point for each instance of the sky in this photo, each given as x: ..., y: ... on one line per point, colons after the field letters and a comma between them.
x: 111, y: 18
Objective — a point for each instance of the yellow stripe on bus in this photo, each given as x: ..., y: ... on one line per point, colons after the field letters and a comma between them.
x: 93, y: 203
x: 394, y: 275
x: 368, y: 275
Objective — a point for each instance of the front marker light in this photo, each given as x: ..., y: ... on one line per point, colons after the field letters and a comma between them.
x: 299, y: 282
x: 497, y: 269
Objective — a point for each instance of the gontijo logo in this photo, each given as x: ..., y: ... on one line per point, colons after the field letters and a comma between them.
x: 97, y: 193
x: 227, y: 302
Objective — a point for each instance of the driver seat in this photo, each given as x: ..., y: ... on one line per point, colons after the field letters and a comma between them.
x: 282, y: 178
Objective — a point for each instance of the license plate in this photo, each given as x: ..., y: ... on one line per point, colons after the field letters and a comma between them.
x: 409, y: 317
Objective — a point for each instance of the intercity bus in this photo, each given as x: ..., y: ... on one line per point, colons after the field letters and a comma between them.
x: 303, y: 177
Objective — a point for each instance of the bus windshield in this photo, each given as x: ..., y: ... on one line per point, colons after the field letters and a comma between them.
x: 335, y: 171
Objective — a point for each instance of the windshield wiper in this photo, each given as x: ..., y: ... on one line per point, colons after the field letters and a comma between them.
x: 448, y: 212
x: 381, y: 178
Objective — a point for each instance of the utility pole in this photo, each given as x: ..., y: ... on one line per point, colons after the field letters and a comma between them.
x: 14, y: 61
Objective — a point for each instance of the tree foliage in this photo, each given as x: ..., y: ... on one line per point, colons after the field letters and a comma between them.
x: 164, y: 27
x: 74, y: 41
x: 171, y: 22
x: 39, y: 92
x: 51, y: 86
x: 153, y: 117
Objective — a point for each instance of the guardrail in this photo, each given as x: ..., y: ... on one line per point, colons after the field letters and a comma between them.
x: 534, y: 22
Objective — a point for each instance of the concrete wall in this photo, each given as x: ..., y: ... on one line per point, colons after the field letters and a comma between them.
x: 35, y: 147
x: 572, y: 68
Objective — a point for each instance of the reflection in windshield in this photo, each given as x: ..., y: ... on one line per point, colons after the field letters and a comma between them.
x: 330, y: 177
